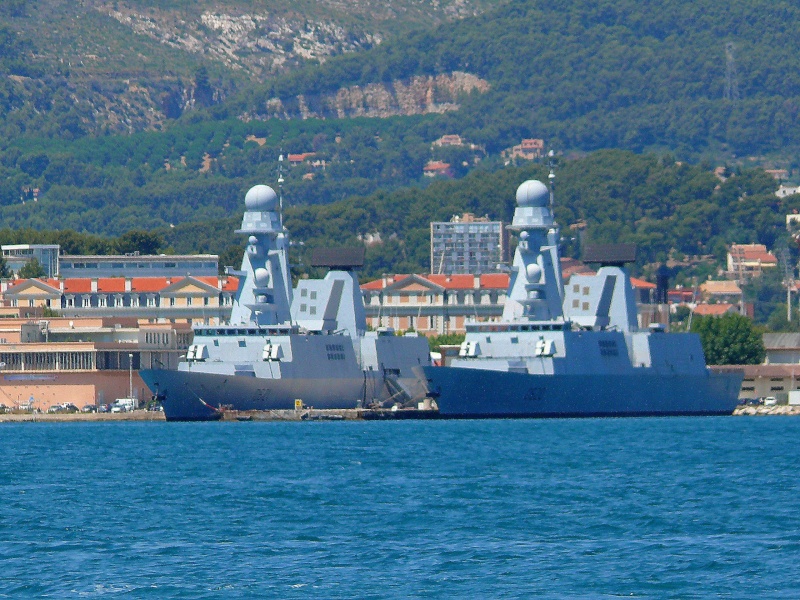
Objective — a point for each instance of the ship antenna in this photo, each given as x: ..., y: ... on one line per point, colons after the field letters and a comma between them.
x: 280, y: 188
x: 551, y: 177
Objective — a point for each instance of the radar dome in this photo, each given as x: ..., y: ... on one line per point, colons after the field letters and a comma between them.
x: 261, y: 198
x: 533, y: 193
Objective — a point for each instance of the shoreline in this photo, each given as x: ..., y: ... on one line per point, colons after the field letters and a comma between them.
x: 306, y: 415
x: 136, y: 415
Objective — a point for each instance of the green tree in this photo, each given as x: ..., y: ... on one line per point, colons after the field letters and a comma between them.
x: 143, y: 242
x: 32, y: 269
x: 731, y: 339
x: 5, y: 271
x: 447, y: 339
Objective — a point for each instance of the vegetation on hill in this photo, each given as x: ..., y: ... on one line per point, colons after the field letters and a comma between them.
x: 672, y: 211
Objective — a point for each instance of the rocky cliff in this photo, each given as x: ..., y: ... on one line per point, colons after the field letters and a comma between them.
x: 418, y: 95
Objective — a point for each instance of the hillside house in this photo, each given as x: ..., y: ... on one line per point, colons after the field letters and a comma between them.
x: 725, y: 291
x: 746, y: 261
x: 528, y: 149
x: 437, y: 168
x: 449, y: 140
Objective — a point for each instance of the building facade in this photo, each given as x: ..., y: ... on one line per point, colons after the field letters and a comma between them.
x: 54, y: 360
x: 433, y: 304
x: 746, y: 261
x: 468, y: 245
x: 442, y: 304
x: 206, y: 300
x: 136, y: 265
x: 17, y: 255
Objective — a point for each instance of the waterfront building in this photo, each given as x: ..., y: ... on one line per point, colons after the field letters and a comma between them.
x: 206, y: 300
x: 441, y: 304
x: 55, y: 360
x: 18, y: 255
x: 433, y: 304
x: 128, y: 265
x: 138, y: 265
x: 468, y: 244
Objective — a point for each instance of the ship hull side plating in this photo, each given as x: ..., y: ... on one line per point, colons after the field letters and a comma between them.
x: 482, y: 393
x: 196, y: 396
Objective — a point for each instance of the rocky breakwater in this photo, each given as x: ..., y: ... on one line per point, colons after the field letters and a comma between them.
x: 760, y: 410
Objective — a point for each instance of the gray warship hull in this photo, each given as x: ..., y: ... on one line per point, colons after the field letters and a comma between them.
x: 194, y: 396
x: 481, y: 393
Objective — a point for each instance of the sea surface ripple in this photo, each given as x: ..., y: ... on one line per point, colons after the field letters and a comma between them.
x: 593, y: 508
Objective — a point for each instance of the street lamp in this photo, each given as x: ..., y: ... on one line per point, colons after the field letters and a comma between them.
x: 130, y: 379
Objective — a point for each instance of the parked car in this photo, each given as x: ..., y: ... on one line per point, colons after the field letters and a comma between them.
x: 89, y: 408
x: 770, y: 401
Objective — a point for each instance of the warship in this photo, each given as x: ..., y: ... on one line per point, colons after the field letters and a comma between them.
x: 576, y: 351
x: 285, y: 348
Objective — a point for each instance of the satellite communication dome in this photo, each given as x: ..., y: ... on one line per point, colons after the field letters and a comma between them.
x: 261, y: 198
x: 533, y: 193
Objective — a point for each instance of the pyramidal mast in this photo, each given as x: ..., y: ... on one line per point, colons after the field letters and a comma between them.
x: 265, y: 288
x: 535, y: 289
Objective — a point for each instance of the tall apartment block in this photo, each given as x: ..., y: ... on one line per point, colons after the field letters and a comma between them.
x: 468, y: 245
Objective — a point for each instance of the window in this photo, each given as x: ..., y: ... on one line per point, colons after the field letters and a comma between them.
x: 206, y: 301
x: 188, y: 301
x: 151, y: 301
x: 102, y: 301
x: 117, y: 300
x: 87, y: 302
x: 172, y: 301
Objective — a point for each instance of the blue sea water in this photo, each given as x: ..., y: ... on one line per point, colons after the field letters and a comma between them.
x: 594, y: 508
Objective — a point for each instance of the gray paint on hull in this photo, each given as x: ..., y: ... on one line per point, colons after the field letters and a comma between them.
x: 198, y: 396
x: 484, y: 393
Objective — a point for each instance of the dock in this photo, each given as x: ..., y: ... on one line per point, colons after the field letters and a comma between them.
x: 306, y: 414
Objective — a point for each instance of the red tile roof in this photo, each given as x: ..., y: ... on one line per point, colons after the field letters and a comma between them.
x: 495, y: 281
x: 713, y: 310
x: 77, y: 286
x: 148, y: 284
x: 453, y: 282
x: 641, y: 284
x: 111, y: 284
x: 436, y: 165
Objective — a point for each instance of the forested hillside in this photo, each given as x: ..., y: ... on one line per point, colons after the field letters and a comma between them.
x: 120, y: 66
x: 691, y: 76
x: 673, y: 211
